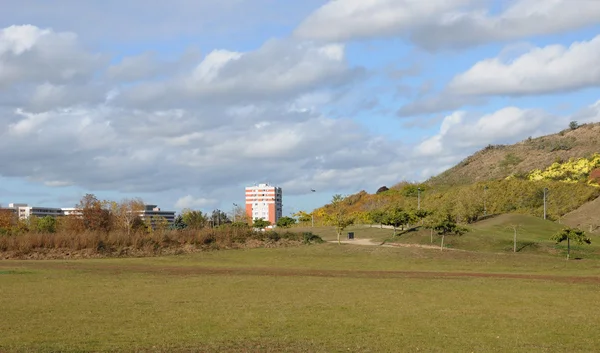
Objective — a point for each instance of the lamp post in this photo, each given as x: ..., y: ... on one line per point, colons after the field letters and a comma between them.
x: 485, y: 200
x: 235, y: 206
x: 312, y: 214
x: 545, y: 193
x: 418, y: 198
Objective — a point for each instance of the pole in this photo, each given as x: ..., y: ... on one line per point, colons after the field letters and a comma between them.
x: 485, y: 201
x: 234, y: 209
x: 545, y: 191
x: 312, y: 214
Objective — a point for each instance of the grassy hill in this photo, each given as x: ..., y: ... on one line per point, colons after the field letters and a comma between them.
x: 499, y: 161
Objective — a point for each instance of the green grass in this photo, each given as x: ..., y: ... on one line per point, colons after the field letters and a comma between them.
x: 496, y: 235
x: 319, y: 298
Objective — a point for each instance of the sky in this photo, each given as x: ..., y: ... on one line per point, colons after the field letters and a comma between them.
x: 186, y: 102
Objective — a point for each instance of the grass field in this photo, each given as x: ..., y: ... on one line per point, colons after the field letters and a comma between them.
x: 318, y: 298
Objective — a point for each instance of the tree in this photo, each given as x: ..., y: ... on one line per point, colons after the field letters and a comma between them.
x: 286, y: 222
x: 422, y: 214
x: 338, y: 215
x: 395, y: 216
x: 194, y: 219
x: 127, y: 212
x: 94, y: 215
x: 568, y: 234
x: 447, y: 225
x: 179, y: 223
x: 46, y: 225
x: 382, y: 189
x: 260, y: 223
x: 303, y: 217
x: 219, y: 217
x: 573, y: 125
x: 377, y: 216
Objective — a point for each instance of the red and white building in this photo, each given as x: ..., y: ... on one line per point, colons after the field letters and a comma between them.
x: 264, y: 201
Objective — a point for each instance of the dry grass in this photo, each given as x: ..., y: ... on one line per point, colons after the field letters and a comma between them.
x: 117, y: 243
x: 496, y: 162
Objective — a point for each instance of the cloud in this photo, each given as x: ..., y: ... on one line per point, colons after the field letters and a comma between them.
x: 460, y: 133
x: 31, y: 54
x: 190, y: 201
x: 553, y: 68
x: 278, y: 70
x: 438, y: 103
x: 438, y: 24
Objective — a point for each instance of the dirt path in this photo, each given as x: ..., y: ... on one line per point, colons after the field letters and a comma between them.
x: 370, y: 242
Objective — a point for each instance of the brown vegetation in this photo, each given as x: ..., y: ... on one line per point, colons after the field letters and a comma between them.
x: 119, y: 243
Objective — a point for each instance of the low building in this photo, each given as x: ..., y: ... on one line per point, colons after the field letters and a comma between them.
x: 25, y: 211
x: 152, y: 212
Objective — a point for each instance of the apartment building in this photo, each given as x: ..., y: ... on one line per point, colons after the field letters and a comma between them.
x: 264, y: 201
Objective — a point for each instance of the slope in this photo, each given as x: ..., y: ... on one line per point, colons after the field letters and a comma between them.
x: 499, y: 161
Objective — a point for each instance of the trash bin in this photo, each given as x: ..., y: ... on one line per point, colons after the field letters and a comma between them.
x: 350, y: 235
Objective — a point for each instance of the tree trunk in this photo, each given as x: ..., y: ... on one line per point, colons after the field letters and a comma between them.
x: 568, y: 248
x: 394, y: 230
x: 431, y: 236
x: 442, y: 246
x: 339, y: 234
x: 515, y: 242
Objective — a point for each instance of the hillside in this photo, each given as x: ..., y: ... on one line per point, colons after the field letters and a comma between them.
x: 586, y: 217
x: 499, y: 161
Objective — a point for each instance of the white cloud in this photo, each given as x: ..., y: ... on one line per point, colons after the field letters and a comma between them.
x: 192, y: 202
x: 435, y: 24
x: 553, y: 68
x: 460, y: 134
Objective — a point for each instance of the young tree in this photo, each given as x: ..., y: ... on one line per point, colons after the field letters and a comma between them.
x: 395, y: 216
x: 568, y: 234
x: 286, y: 222
x: 422, y: 214
x: 338, y: 215
x: 447, y: 225
x: 377, y: 216
x: 260, y: 223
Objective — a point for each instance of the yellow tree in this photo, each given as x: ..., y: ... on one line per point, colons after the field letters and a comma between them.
x: 127, y: 212
x: 337, y: 214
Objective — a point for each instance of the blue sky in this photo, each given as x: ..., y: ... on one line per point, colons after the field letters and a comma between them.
x: 185, y: 103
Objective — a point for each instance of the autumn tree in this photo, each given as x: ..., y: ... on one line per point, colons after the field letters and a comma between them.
x: 303, y: 217
x: 571, y: 234
x: 338, y: 215
x: 94, y: 215
x: 127, y: 212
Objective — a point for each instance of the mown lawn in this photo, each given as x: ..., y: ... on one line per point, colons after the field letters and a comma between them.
x: 319, y: 298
